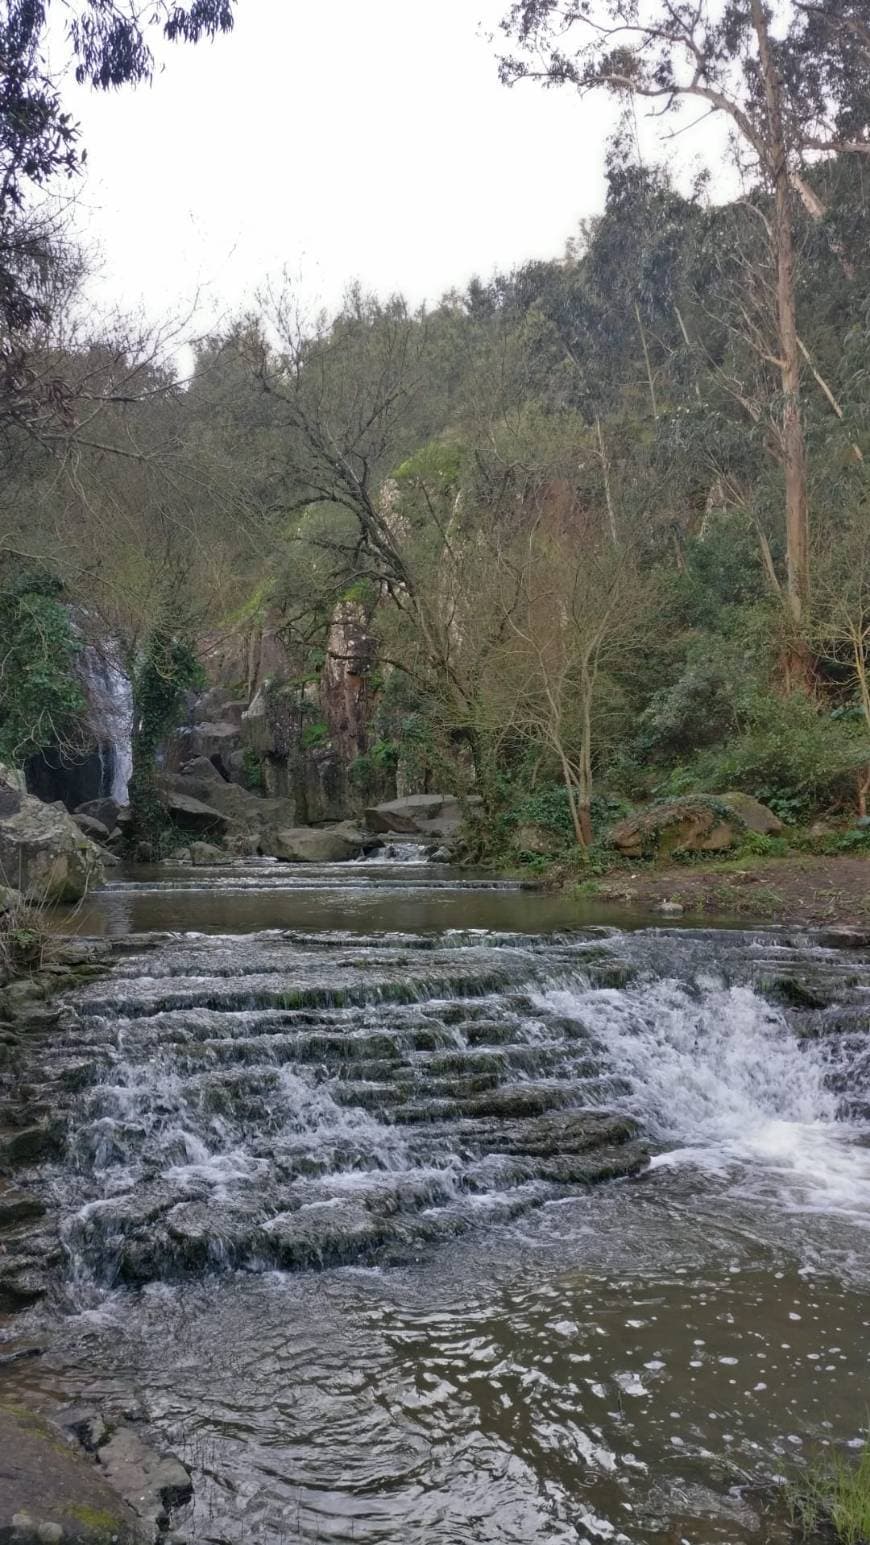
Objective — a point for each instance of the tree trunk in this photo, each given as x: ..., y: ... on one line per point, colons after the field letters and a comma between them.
x: 794, y: 451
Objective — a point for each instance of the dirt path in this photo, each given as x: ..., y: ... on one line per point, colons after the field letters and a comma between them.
x: 796, y: 889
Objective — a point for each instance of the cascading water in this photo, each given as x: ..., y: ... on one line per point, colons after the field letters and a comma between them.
x: 717, y: 1074
x: 545, y: 1360
x: 110, y: 702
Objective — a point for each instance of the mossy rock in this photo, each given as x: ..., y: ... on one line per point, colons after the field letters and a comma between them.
x: 677, y: 827
x: 50, y: 1494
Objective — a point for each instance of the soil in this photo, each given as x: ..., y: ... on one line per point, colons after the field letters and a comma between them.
x: 800, y: 888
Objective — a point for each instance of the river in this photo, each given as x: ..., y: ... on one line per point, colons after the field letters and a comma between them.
x: 295, y: 1249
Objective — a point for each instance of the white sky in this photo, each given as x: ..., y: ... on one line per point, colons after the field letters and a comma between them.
x: 365, y: 139
x: 343, y: 140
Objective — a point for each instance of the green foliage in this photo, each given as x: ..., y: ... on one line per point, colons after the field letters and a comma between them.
x: 314, y: 735
x: 253, y: 769
x: 791, y: 756
x: 41, y: 701
x: 833, y: 1492
x: 547, y: 806
x: 168, y: 670
x: 370, y: 772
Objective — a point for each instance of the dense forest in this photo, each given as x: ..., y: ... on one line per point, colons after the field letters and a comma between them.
x: 601, y: 521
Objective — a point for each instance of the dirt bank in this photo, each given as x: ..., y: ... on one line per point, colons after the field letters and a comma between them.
x: 800, y: 888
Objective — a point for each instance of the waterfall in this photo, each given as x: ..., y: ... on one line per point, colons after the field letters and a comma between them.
x: 716, y: 1074
x: 110, y: 700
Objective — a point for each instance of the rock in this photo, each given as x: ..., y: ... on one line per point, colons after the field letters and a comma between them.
x: 756, y: 816
x: 209, y: 739
x: 42, y: 850
x: 19, y: 996
x: 18, y: 1207
x: 10, y: 899
x: 50, y: 1494
x: 104, y: 810
x: 206, y: 853
x: 532, y: 838
x: 314, y: 845
x: 91, y: 827
x: 13, y: 777
x: 107, y: 857
x: 845, y: 938
x: 422, y: 815
x: 696, y: 824
x: 202, y: 767
x: 87, y: 1427
x: 193, y: 815
x: 151, y: 1484
x: 30, y: 1145
x: 668, y: 907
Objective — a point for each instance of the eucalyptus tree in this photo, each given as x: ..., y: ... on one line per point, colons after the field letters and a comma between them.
x: 791, y: 90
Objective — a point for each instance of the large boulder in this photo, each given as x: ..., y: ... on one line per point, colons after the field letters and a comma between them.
x: 42, y: 850
x: 246, y: 815
x: 210, y: 740
x: 422, y: 815
x: 193, y: 815
x: 104, y: 810
x: 314, y: 845
x: 203, y: 768
x: 696, y: 824
x: 755, y: 816
x: 92, y: 827
x: 204, y: 853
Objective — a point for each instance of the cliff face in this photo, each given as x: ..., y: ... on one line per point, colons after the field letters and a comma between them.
x: 294, y: 736
x: 346, y: 695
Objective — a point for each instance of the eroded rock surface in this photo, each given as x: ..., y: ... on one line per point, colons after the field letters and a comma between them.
x: 51, y: 1494
x: 43, y: 853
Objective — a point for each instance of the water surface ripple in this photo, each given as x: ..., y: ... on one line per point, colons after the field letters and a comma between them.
x: 325, y: 1225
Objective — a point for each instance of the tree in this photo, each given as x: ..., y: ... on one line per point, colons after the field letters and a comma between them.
x: 109, y: 43
x: 786, y: 95
x: 581, y: 601
x: 842, y: 621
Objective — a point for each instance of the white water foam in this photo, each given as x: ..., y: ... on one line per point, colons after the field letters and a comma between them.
x: 717, y: 1073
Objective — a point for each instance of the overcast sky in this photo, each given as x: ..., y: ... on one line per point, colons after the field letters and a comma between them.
x: 339, y: 140
x: 343, y: 140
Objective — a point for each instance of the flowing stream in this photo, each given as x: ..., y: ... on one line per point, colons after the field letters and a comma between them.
x: 326, y: 1221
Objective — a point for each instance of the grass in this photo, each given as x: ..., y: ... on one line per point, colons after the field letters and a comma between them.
x: 832, y: 1499
x: 27, y: 941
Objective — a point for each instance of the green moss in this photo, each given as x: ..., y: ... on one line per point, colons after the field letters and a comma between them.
x: 98, y: 1519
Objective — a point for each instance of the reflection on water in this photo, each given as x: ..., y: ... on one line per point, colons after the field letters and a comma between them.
x: 625, y: 1364
x: 369, y: 895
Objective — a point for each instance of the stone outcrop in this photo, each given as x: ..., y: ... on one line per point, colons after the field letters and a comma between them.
x: 695, y: 824
x: 755, y: 816
x: 313, y: 845
x: 204, y: 853
x: 105, y: 811
x: 52, y: 1494
x: 42, y: 850
x: 345, y: 680
x: 194, y: 815
x: 422, y: 815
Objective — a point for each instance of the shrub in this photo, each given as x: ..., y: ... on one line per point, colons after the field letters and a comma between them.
x: 26, y: 939
x: 791, y: 757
